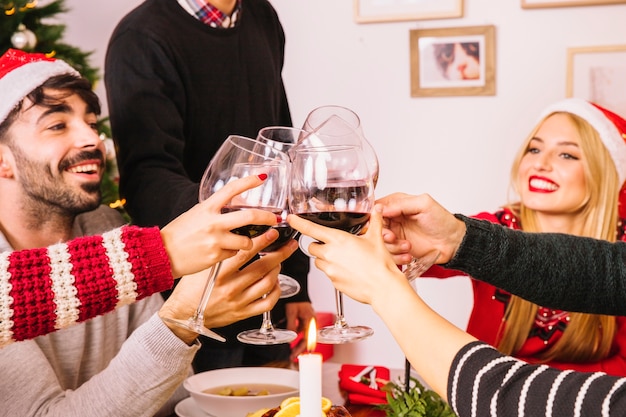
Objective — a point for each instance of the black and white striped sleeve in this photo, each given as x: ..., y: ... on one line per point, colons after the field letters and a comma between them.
x: 484, y: 382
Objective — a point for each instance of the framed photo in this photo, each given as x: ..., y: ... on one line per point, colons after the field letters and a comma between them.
x: 453, y: 61
x: 598, y: 74
x: 371, y: 11
x: 536, y: 4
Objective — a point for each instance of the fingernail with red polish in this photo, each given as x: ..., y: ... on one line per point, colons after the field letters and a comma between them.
x: 262, y: 177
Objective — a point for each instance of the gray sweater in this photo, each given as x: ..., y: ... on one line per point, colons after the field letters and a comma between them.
x: 125, y: 363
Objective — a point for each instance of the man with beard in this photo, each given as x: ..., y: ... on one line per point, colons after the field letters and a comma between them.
x: 128, y: 362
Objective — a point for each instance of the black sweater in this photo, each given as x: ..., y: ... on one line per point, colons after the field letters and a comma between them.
x: 176, y: 89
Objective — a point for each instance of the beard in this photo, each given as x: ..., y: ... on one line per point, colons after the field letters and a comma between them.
x: 47, y: 191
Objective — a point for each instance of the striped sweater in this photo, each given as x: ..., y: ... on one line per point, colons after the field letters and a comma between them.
x: 483, y: 382
x: 43, y: 290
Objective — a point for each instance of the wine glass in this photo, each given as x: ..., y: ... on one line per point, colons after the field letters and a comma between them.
x: 340, y: 125
x: 238, y: 157
x: 267, y: 334
x: 283, y: 138
x: 333, y: 186
x: 418, y: 266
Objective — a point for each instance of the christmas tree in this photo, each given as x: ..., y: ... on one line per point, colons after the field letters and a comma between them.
x: 29, y: 27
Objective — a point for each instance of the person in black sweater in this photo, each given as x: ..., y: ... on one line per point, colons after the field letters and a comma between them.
x: 179, y: 80
x: 576, y: 274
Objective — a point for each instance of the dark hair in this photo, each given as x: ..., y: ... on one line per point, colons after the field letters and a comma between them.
x: 444, y: 53
x: 70, y: 84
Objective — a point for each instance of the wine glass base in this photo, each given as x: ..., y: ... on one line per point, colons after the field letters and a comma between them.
x: 268, y: 337
x: 193, y: 326
x: 288, y: 286
x: 338, y: 335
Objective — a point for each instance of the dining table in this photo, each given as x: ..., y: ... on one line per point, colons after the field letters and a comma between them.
x: 332, y: 391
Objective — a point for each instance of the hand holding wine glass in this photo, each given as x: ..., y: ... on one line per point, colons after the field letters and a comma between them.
x: 283, y: 138
x: 240, y: 157
x: 333, y: 186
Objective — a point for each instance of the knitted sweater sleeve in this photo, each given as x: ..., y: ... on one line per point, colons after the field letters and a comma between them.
x: 43, y: 290
x: 557, y: 270
x: 482, y: 381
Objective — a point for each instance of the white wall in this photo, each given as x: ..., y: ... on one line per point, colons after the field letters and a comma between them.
x: 458, y: 149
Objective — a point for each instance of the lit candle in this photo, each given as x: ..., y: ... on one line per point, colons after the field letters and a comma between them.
x: 310, y: 365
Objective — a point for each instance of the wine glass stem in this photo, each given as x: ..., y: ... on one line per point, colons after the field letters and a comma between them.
x: 198, y: 317
x: 340, y: 321
x: 267, y: 326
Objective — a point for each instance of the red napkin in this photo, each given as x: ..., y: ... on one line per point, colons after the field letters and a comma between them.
x: 360, y: 392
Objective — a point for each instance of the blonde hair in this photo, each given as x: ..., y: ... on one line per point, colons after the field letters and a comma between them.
x: 588, y: 337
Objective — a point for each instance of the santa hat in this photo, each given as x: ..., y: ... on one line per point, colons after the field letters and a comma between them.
x: 610, y: 127
x: 21, y: 72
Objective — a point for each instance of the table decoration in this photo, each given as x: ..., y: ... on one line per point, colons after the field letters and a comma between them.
x: 417, y: 401
x: 367, y: 387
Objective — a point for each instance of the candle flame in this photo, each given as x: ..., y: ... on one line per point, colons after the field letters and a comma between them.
x: 311, y: 336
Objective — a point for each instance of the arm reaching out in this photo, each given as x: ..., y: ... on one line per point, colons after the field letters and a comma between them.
x: 472, y: 376
x: 362, y: 268
x: 43, y: 290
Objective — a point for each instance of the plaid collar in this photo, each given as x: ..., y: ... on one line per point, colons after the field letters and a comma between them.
x: 210, y: 15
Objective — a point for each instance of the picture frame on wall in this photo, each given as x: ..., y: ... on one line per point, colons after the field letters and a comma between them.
x: 537, y: 4
x: 373, y: 11
x: 598, y: 74
x: 453, y: 61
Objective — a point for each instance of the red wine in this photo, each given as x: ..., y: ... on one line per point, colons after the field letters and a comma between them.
x: 250, y: 230
x: 285, y: 234
x: 347, y: 221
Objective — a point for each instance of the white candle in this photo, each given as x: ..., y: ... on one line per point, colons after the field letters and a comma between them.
x: 310, y: 366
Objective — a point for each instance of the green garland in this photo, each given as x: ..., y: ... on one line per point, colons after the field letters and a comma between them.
x: 416, y: 402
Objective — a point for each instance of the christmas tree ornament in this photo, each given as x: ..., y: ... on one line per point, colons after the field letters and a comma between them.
x: 49, y: 30
x: 24, y: 38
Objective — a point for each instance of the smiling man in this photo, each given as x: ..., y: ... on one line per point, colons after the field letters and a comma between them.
x: 127, y: 362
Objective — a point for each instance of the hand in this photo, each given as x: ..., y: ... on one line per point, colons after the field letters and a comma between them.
x: 415, y: 226
x: 299, y: 314
x: 359, y: 266
x: 237, y: 294
x: 229, y: 307
x: 202, y: 236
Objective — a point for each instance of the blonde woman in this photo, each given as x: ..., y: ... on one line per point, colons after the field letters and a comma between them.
x: 568, y: 175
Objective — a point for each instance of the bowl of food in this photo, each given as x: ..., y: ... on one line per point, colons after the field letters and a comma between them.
x: 235, y: 392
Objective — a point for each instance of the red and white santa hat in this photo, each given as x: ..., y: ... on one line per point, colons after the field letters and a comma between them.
x: 21, y: 72
x: 610, y: 127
